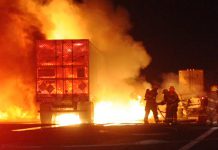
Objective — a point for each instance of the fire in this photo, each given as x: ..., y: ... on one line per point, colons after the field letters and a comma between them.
x: 15, y: 113
x: 122, y: 56
x: 67, y: 24
x: 130, y: 112
x: 21, y: 109
x: 106, y: 26
x: 67, y: 119
x: 3, y: 115
x: 109, y: 112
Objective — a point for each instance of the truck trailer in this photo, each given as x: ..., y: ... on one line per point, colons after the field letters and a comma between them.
x: 62, y: 79
x: 191, y: 85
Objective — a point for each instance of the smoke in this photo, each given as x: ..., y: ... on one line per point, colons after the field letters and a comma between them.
x: 170, y: 79
x: 18, y: 30
x: 116, y: 54
x: 123, y: 57
x: 186, y: 86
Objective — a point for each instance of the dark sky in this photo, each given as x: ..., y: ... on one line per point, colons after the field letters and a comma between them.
x: 178, y: 34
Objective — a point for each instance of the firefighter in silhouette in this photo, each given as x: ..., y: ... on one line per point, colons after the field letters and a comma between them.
x: 171, y: 99
x: 165, y: 93
x: 202, y: 117
x: 150, y: 97
x: 212, y: 106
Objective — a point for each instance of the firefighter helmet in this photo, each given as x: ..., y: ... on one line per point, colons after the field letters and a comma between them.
x: 172, y: 88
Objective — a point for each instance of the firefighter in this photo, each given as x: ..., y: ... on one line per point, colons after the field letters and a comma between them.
x: 212, y: 106
x: 171, y: 98
x: 165, y: 93
x: 150, y: 97
x: 202, y: 117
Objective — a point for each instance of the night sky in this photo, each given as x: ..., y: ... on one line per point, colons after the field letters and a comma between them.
x: 177, y: 35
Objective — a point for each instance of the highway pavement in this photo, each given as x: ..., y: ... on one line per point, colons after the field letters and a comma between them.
x: 182, y: 136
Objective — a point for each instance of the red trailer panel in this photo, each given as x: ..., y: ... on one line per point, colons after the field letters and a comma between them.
x: 62, y: 70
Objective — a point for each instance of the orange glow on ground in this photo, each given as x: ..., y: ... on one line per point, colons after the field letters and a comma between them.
x: 66, y: 119
x: 108, y: 112
x: 130, y: 112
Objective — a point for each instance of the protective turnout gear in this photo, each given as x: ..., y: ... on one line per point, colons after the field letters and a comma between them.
x: 171, y: 99
x: 150, y: 97
x: 212, y: 108
x: 202, y: 117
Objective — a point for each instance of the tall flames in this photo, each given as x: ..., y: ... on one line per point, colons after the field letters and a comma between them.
x: 106, y: 26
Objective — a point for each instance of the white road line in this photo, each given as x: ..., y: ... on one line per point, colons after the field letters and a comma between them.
x: 199, y: 139
x: 121, y: 124
x: 54, y: 126
x: 26, y: 129
x: 34, y: 128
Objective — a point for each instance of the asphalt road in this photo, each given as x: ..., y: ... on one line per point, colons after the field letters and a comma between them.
x: 107, y: 137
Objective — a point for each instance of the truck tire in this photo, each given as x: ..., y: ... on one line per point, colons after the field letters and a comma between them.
x: 45, y: 114
x: 86, y: 112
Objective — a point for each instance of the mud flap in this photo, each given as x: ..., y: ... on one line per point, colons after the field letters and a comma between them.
x: 86, y: 112
x: 46, y: 113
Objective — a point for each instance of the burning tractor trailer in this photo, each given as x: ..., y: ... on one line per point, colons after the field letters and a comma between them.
x: 62, y: 79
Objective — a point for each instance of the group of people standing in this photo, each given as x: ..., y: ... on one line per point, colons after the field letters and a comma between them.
x: 170, y: 99
x: 208, y: 112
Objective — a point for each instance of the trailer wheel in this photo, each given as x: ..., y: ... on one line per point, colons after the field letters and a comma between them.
x: 86, y: 112
x: 45, y: 114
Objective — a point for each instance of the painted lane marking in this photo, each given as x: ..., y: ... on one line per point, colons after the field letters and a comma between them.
x: 199, y: 139
x: 54, y: 126
x: 121, y: 124
x: 35, y: 128
x: 26, y: 129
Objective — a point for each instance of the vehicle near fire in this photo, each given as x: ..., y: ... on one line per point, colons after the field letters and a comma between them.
x: 191, y: 84
x: 62, y: 79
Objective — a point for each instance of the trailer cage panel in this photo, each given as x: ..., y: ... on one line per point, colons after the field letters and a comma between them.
x: 62, y: 76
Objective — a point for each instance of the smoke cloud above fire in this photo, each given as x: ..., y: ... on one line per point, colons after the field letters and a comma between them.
x: 107, y: 28
x: 117, y: 58
x: 18, y: 29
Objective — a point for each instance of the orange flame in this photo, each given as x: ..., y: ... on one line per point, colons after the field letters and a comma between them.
x: 96, y: 20
x: 67, y: 119
x: 109, y: 112
x: 106, y: 27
